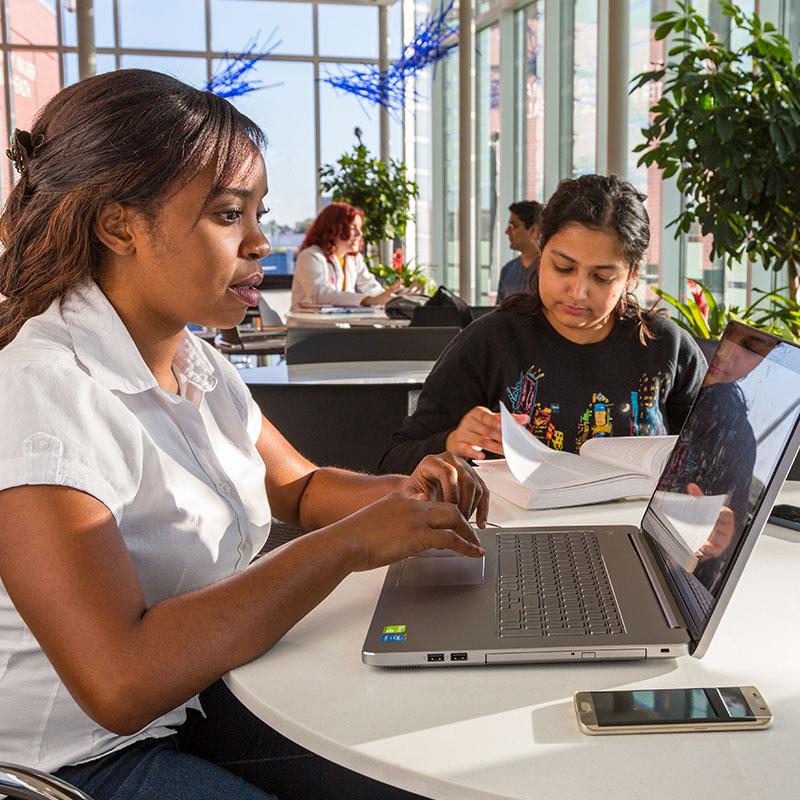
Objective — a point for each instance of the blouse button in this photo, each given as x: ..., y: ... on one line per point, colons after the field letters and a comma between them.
x: 225, y: 488
x: 44, y: 445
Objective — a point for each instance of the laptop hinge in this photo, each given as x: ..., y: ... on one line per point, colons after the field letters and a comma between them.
x: 666, y: 601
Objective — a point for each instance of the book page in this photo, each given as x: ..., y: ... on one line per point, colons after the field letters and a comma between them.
x: 536, y: 466
x: 645, y: 454
x: 690, y: 520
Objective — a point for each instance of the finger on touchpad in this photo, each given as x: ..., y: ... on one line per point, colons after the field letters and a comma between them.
x: 435, y: 552
x: 456, y: 571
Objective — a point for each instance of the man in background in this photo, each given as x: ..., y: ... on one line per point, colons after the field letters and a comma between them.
x: 523, y: 235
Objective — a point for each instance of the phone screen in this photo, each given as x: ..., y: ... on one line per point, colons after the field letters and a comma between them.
x: 665, y: 706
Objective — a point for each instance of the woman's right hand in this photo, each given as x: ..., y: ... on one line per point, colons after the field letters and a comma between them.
x: 397, y: 526
x: 386, y: 295
x: 479, y: 430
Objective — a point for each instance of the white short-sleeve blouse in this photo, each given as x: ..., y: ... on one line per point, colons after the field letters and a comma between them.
x: 180, y: 474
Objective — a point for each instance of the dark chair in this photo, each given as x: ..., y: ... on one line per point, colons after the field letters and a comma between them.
x: 324, y: 345
x: 337, y: 425
x: 259, y: 343
x: 479, y: 311
x: 31, y: 784
x: 436, y: 317
x: 268, y: 316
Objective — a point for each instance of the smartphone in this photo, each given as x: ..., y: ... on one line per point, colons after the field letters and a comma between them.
x: 786, y: 515
x: 729, y: 708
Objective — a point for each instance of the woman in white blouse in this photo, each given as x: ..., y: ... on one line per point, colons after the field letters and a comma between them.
x: 330, y: 269
x: 137, y: 475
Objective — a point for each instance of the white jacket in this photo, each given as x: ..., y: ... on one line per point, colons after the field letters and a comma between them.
x: 319, y: 280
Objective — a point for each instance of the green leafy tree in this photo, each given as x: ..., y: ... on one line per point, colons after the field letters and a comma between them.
x: 380, y: 190
x: 728, y: 123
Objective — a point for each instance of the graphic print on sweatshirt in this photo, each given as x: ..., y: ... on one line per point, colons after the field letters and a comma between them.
x: 639, y: 415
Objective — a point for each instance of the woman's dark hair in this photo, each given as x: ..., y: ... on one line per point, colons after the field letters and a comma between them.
x: 600, y: 203
x: 132, y: 137
x: 332, y: 223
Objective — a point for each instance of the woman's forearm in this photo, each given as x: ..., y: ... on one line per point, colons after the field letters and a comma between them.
x: 332, y: 494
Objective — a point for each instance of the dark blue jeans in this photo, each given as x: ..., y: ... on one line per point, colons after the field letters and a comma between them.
x: 228, y: 755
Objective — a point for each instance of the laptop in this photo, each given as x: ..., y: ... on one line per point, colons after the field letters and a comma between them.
x: 591, y: 593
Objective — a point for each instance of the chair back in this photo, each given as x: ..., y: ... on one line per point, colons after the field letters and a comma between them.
x: 230, y: 336
x: 270, y: 318
x: 324, y: 345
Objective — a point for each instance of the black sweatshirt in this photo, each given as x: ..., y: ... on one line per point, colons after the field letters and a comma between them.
x: 571, y: 392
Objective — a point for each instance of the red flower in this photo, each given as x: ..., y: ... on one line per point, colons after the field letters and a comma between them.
x: 699, y: 297
x: 397, y: 259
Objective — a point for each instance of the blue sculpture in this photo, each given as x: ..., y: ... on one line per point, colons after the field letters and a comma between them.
x: 230, y: 81
x: 387, y: 88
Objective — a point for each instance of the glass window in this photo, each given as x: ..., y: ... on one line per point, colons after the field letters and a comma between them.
x: 451, y: 268
x: 235, y: 22
x: 584, y: 89
x: 31, y: 21
x: 423, y: 162
x: 105, y: 62
x: 644, y: 52
x: 7, y: 172
x: 340, y: 113
x: 193, y: 71
x: 104, y: 23
x: 396, y: 29
x: 529, y: 102
x: 69, y: 26
x: 285, y: 112
x: 485, y: 5
x: 156, y: 25
x: 348, y: 31
x: 487, y: 106
x: 71, y: 72
x: 34, y: 80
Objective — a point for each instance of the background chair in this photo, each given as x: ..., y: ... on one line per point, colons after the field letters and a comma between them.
x: 259, y: 343
x: 31, y: 784
x: 324, y: 345
x: 269, y: 318
x: 339, y: 424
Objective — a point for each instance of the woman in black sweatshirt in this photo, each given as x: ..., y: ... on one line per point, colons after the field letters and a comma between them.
x: 573, y: 357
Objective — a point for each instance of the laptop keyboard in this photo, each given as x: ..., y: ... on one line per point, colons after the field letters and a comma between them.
x: 554, y: 584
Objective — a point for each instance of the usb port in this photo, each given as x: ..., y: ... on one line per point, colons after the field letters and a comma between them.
x: 435, y: 656
x: 458, y: 656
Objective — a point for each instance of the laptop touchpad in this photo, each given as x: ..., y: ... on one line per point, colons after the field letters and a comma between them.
x: 455, y: 570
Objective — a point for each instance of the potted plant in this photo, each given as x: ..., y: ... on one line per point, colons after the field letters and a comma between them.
x: 380, y: 190
x: 702, y: 316
x: 409, y: 273
x: 728, y: 124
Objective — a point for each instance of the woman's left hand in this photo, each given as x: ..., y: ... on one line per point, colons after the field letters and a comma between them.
x: 449, y: 478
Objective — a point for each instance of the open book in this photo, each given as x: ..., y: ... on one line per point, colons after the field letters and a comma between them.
x: 534, y: 476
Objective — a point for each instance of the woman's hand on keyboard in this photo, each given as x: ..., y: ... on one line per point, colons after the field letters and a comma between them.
x: 397, y: 526
x: 448, y: 478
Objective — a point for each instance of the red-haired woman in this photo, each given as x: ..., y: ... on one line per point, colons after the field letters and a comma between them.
x: 330, y: 269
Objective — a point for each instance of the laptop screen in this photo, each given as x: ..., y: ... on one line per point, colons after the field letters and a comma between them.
x: 716, y: 476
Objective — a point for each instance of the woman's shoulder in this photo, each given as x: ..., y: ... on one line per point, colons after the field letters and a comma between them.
x: 310, y: 253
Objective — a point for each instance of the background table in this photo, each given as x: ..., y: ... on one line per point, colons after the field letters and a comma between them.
x: 340, y: 413
x: 309, y: 319
x: 510, y: 731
